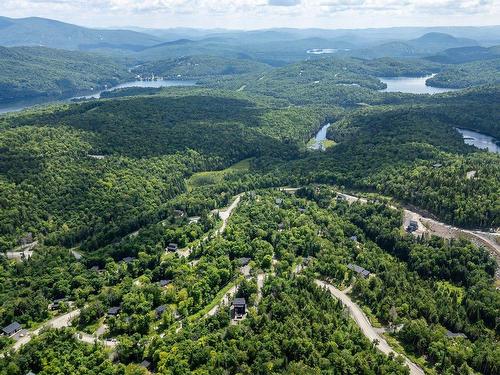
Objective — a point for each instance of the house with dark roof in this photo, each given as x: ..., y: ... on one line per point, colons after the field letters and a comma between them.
x: 244, y: 261
x: 164, y: 283
x: 160, y: 310
x: 11, y: 329
x: 56, y: 304
x: 239, y: 307
x: 412, y: 227
x: 128, y: 259
x: 359, y: 270
x: 452, y: 335
x: 172, y: 247
x: 146, y: 364
x: 114, y: 311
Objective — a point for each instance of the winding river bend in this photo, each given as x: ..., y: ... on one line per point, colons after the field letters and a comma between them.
x: 25, y: 104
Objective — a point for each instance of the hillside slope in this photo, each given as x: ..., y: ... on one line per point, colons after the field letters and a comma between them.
x: 36, y: 31
x: 29, y: 72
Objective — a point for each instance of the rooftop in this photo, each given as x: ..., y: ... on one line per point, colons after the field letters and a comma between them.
x: 363, y: 272
x: 11, y: 328
x: 239, y: 302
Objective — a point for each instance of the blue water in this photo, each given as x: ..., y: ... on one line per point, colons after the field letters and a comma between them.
x: 411, y: 85
x: 479, y: 140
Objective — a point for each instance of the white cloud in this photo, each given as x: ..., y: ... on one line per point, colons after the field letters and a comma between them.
x: 259, y: 13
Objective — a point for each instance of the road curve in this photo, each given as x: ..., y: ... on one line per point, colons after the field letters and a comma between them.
x: 364, y: 324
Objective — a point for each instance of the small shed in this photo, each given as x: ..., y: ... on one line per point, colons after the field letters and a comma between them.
x: 278, y: 201
x: 11, y: 329
x: 128, y: 259
x: 146, y: 364
x: 240, y: 307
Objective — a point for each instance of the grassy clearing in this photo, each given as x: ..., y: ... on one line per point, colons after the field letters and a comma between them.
x: 215, y: 177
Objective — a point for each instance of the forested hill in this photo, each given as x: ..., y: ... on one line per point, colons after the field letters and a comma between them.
x: 193, y: 67
x: 28, y: 72
x: 35, y: 31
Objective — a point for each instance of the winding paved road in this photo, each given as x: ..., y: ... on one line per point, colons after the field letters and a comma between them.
x: 364, y: 324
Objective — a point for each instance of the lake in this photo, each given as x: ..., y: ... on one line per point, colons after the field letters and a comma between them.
x: 479, y: 140
x: 411, y: 85
x: 319, y: 138
x: 24, y: 104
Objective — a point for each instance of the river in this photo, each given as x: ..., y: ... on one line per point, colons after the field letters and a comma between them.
x: 24, y: 104
x: 411, y: 85
x: 319, y: 138
x: 480, y: 140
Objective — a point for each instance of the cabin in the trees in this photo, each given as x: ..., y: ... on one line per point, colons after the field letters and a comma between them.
x: 160, y: 310
x: 359, y: 270
x: 164, y: 283
x: 128, y: 259
x: 239, y: 308
x: 172, y: 247
x: 114, y: 311
x: 452, y: 335
x: 412, y: 227
x: 244, y: 261
x: 31, y: 373
x: 145, y: 364
x: 11, y: 329
x: 56, y: 304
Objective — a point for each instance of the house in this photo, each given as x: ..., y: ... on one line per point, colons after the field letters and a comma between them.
x: 114, y: 311
x: 279, y: 201
x: 146, y: 364
x: 244, y: 261
x: 437, y: 165
x: 179, y: 213
x: 56, y: 304
x: 281, y: 226
x: 172, y: 247
x: 239, y: 307
x: 359, y: 270
x: 31, y: 373
x: 11, y: 329
x: 453, y: 335
x: 164, y: 283
x: 354, y: 238
x: 128, y: 259
x: 412, y: 227
x: 160, y: 310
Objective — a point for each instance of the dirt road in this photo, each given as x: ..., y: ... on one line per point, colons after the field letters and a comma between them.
x: 365, y: 326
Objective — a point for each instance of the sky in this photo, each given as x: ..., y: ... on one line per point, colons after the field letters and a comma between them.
x: 256, y: 14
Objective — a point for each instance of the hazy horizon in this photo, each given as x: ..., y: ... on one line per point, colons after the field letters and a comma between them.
x: 259, y: 14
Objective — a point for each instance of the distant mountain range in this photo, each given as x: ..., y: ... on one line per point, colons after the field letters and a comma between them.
x: 272, y: 46
x: 36, y: 31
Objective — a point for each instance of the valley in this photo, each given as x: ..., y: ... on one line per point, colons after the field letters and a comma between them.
x: 276, y: 201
